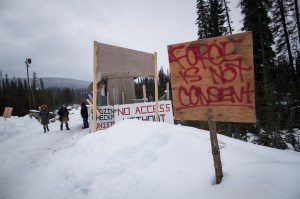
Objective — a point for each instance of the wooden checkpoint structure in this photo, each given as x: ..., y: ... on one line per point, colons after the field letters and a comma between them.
x: 115, y: 69
x: 213, y: 80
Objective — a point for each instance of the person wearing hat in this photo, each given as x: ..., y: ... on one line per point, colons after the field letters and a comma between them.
x: 84, y: 115
x: 63, y: 117
x: 44, y: 114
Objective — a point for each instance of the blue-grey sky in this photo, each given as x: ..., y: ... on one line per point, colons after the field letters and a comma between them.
x: 58, y: 35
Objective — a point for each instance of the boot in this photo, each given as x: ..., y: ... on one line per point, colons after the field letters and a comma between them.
x: 47, y: 128
x: 61, y: 127
x: 67, y: 126
x: 44, y: 129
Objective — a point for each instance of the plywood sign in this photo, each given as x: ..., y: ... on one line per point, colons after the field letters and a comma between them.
x: 105, y: 119
x: 118, y: 62
x: 214, y: 76
x: 7, y: 112
x: 145, y: 111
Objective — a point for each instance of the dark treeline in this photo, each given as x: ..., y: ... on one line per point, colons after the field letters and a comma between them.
x: 14, y: 93
x: 163, y: 78
x: 276, y: 38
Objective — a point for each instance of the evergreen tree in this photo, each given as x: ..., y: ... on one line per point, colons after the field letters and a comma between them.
x: 162, y: 80
x: 217, y: 19
x: 298, y: 64
x: 34, y: 82
x: 282, y: 28
x: 34, y: 88
x: 295, y: 22
x: 42, y: 84
x: 22, y: 98
x: 212, y: 16
x: 227, y: 10
x: 14, y: 93
x: 264, y: 56
x: 202, y: 19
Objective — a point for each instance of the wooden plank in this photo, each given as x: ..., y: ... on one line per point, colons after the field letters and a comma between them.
x: 7, y: 112
x: 156, y: 87
x: 95, y: 87
x: 215, y: 73
x: 119, y: 62
x: 120, y: 85
x: 144, y: 93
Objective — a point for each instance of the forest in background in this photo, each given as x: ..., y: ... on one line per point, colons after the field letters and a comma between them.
x: 15, y: 93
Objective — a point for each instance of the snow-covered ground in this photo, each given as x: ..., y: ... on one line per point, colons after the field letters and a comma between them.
x: 137, y: 160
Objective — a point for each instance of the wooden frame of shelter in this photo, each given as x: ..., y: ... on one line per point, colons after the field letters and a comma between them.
x: 113, y: 62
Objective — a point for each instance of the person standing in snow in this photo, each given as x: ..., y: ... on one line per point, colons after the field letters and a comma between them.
x: 63, y: 117
x: 44, y: 114
x: 84, y: 115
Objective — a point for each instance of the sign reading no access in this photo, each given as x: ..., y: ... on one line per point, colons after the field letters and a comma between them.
x: 145, y: 111
x: 140, y: 111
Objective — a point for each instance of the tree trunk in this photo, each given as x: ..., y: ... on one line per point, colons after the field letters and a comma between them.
x: 227, y: 15
x: 297, y: 19
x: 288, y: 45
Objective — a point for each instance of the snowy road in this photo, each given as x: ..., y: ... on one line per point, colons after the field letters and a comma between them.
x: 24, y: 153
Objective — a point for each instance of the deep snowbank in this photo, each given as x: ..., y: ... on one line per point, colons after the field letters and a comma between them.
x: 135, y: 159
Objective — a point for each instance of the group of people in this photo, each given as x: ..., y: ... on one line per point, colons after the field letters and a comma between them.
x: 63, y: 114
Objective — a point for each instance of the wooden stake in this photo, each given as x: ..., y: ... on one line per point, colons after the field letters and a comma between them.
x: 144, y: 93
x: 95, y: 88
x: 215, y: 147
x: 90, y: 103
x: 114, y: 96
x: 156, y: 87
x: 168, y: 91
x: 123, y: 98
x: 107, y: 99
x: 7, y: 112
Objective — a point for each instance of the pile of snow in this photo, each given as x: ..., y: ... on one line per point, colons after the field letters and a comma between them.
x: 139, y: 160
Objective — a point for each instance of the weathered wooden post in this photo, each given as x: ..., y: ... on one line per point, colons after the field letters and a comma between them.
x: 7, y: 112
x: 168, y: 91
x: 95, y: 86
x: 215, y: 146
x: 156, y: 87
x: 123, y: 98
x: 144, y: 93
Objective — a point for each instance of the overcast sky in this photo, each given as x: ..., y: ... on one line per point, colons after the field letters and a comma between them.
x: 58, y: 35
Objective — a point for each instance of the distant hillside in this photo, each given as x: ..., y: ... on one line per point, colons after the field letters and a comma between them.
x: 64, y: 82
x: 59, y: 82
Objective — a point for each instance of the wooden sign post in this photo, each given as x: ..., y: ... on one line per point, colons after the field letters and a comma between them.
x: 213, y: 80
x: 215, y: 146
x: 95, y: 60
x: 156, y: 87
x: 7, y: 112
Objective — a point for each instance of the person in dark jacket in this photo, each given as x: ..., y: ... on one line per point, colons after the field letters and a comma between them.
x: 44, y: 114
x: 63, y: 117
x: 84, y: 115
